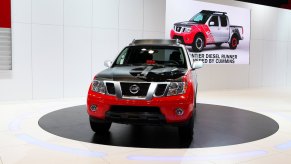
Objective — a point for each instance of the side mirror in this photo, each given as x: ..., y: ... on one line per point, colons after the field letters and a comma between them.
x: 211, y: 24
x: 107, y: 63
x: 197, y: 64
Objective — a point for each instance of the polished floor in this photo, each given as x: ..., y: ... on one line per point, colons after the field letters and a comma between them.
x: 22, y: 140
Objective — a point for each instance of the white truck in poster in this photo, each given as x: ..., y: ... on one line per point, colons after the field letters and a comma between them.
x: 207, y: 27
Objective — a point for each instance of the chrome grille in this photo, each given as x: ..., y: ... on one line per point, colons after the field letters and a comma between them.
x: 127, y: 92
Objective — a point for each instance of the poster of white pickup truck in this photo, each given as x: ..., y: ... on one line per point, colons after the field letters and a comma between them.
x: 207, y: 27
x: 212, y: 33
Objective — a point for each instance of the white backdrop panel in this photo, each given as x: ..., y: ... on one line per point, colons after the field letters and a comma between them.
x: 268, y: 60
x: 283, y: 27
x: 77, y: 61
x: 105, y: 13
x: 21, y: 11
x: 257, y: 25
x: 215, y: 77
x: 47, y: 61
x: 256, y: 64
x: 77, y: 13
x: 152, y: 20
x: 289, y: 65
x: 131, y: 14
x: 153, y: 35
x: 47, y: 12
x: 280, y: 64
x: 105, y: 47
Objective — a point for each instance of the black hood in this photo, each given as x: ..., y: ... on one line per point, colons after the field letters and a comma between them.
x: 186, y: 24
x: 150, y: 73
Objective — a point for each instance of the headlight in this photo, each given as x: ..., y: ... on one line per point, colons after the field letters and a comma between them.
x: 176, y: 88
x: 98, y: 86
x: 187, y: 29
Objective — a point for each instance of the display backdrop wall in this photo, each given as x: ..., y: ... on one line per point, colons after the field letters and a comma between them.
x: 237, y: 29
x: 55, y: 45
x: 58, y: 45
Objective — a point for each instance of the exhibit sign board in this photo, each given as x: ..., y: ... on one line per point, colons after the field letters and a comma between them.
x: 212, y: 33
x: 5, y: 35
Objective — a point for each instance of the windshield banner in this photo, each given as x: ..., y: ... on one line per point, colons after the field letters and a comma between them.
x: 212, y: 33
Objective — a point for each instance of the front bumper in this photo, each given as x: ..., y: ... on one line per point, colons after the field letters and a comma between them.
x: 166, y: 105
x: 132, y: 118
x: 186, y: 38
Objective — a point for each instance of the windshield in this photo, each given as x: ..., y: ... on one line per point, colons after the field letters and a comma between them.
x: 152, y: 55
x: 200, y: 18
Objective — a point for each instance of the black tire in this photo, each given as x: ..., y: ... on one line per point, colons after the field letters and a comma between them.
x: 218, y: 44
x: 233, y: 42
x: 100, y: 128
x: 195, y: 103
x: 186, y: 132
x: 198, y: 43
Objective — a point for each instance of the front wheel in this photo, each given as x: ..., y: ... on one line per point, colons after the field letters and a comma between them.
x: 187, y: 131
x: 233, y: 42
x: 198, y: 43
x: 100, y: 128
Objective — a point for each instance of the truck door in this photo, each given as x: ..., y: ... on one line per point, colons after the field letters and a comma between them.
x: 214, y: 28
x: 224, y: 28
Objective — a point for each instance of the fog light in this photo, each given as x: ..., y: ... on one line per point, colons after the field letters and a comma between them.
x: 179, y: 111
x: 93, y: 108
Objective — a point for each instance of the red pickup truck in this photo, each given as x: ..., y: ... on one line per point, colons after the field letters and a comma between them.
x: 151, y: 82
x: 207, y: 27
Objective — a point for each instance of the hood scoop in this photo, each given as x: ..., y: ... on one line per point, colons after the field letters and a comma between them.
x: 159, y: 74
